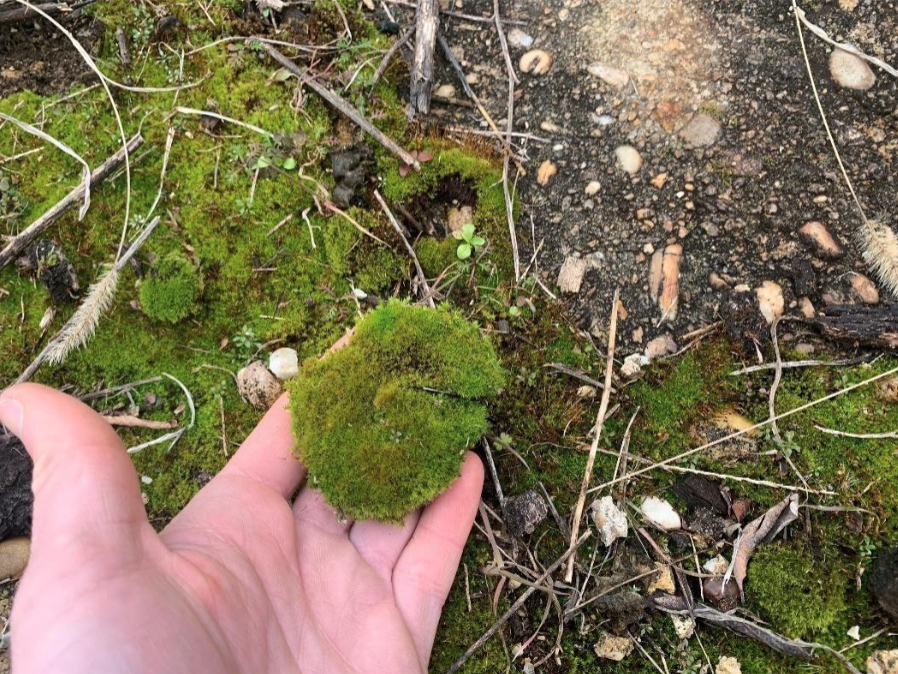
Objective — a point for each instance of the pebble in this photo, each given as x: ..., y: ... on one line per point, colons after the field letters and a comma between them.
x: 850, y: 71
x: 683, y: 625
x: 883, y: 662
x: 663, y: 582
x: 535, y: 61
x: 863, y: 288
x: 545, y: 172
x: 661, y: 514
x: 459, y: 217
x: 614, y: 648
x: 284, y: 363
x: 615, y: 77
x: 728, y: 665
x: 14, y: 553
x: 660, y: 346
x: 716, y: 565
x: 807, y: 308
x: 519, y: 39
x: 717, y: 282
x: 524, y: 512
x: 701, y: 131
x: 445, y: 91
x: 770, y: 301
x: 610, y: 520
x: 632, y: 365
x: 258, y: 386
x: 593, y: 187
x: 820, y: 240
x: 629, y: 159
x: 570, y: 277
x: 659, y: 180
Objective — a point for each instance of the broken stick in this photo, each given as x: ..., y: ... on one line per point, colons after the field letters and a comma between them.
x: 15, y: 247
x: 343, y: 106
x: 427, y: 23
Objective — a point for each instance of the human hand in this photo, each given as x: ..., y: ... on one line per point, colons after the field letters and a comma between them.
x: 240, y: 581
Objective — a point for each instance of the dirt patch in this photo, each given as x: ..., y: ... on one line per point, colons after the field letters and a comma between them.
x: 16, y: 499
x: 35, y: 57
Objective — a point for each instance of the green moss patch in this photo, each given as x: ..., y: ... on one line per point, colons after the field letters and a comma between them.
x: 172, y: 293
x: 383, y: 424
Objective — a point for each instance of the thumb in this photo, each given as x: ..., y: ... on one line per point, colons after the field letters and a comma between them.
x: 84, y: 484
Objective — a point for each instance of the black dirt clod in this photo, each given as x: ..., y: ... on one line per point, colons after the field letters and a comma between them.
x: 16, y: 498
x: 524, y: 512
x: 884, y: 581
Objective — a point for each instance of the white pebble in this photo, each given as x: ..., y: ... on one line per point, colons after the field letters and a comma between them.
x: 284, y: 363
x: 660, y: 513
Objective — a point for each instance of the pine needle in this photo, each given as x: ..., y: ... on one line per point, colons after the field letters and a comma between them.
x: 879, y: 246
x: 81, y: 327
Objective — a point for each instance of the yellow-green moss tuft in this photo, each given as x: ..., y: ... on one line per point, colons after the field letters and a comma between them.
x: 383, y: 424
x: 171, y: 294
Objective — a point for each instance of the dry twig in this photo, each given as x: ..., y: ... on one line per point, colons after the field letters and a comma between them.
x: 600, y: 421
x: 422, y: 279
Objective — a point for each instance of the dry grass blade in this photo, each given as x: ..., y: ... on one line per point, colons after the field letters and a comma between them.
x: 860, y: 436
x: 600, y: 421
x: 174, y: 436
x: 223, y: 118
x: 34, y: 131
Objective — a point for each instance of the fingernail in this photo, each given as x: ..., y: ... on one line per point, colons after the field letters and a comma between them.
x: 12, y: 415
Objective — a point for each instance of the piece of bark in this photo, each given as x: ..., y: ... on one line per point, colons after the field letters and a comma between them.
x: 427, y: 24
x: 16, y: 498
x: 21, y: 13
x: 884, y: 581
x: 15, y: 247
x: 130, y: 421
x: 875, y: 326
x: 700, y: 492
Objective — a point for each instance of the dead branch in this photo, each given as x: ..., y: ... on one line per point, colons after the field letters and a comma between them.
x: 93, y: 395
x: 422, y: 279
x: 576, y: 374
x: 27, y: 236
x: 792, y: 364
x: 388, y: 56
x: 427, y: 24
x: 342, y: 105
x: 600, y: 421
x: 875, y: 326
x: 131, y: 421
x: 20, y: 14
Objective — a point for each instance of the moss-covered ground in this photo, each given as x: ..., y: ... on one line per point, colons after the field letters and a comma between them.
x: 279, y: 269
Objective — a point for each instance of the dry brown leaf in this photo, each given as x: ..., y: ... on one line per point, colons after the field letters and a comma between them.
x: 762, y: 530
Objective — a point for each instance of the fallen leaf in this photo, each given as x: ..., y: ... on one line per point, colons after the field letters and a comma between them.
x: 762, y: 530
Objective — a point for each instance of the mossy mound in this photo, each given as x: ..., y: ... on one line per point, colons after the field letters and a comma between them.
x: 798, y: 594
x: 171, y: 294
x: 383, y: 424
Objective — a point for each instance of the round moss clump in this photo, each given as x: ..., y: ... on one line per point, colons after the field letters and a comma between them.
x: 171, y: 294
x: 798, y: 595
x: 383, y: 424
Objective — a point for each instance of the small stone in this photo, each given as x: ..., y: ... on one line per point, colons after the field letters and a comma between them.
x: 716, y: 565
x: 536, y: 61
x: 550, y: 126
x: 863, y: 288
x: 770, y: 301
x: 445, y: 91
x: 663, y: 582
x: 545, y: 172
x: 848, y: 5
x: 717, y: 282
x: 850, y: 71
x: 822, y: 243
x: 660, y: 346
x: 258, y: 386
x: 593, y: 188
x: 586, y: 391
x: 683, y: 625
x: 524, y: 512
x: 701, y: 131
x: 284, y: 363
x: 614, y: 648
x: 807, y: 308
x: 883, y: 662
x: 659, y: 180
x: 669, y: 114
x: 855, y: 633
x: 887, y: 389
x: 629, y: 159
x: 725, y: 597
x: 655, y: 268
x: 519, y: 39
x: 661, y: 514
x: 459, y: 217
x: 633, y: 365
x: 728, y: 665
x: 14, y: 553
x: 570, y: 277
x: 610, y: 520
x: 615, y: 77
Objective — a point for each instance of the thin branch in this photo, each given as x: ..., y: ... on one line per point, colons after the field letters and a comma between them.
x: 793, y: 364
x: 860, y: 436
x: 223, y: 118
x: 600, y: 421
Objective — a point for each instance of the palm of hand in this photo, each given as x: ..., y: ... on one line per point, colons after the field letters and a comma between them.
x: 240, y: 581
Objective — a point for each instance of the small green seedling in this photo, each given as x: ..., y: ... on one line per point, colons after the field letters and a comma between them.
x: 382, y: 425
x: 470, y: 241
